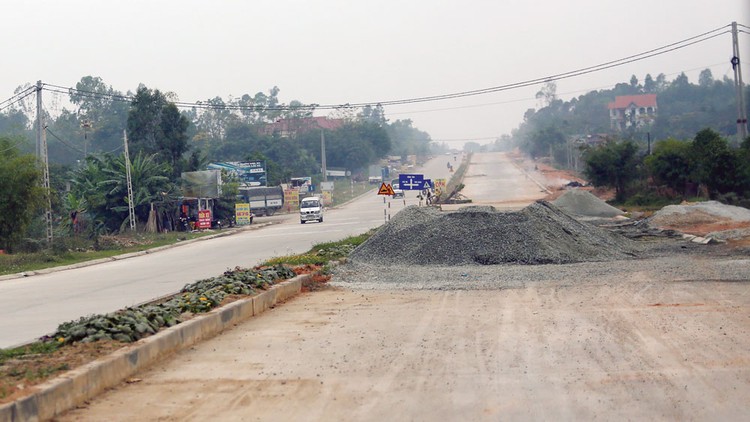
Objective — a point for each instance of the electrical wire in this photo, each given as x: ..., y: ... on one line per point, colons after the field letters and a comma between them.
x: 565, y: 75
x: 519, y: 100
x: 11, y: 103
x: 71, y: 147
x: 13, y: 146
x: 17, y: 94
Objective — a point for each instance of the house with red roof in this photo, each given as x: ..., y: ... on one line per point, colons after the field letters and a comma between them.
x: 632, y: 111
x: 289, y: 128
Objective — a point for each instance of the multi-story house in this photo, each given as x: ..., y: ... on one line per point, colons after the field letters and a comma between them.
x: 632, y: 111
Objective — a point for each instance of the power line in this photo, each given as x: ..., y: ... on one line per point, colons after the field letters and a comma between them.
x: 11, y: 101
x: 17, y: 94
x: 14, y: 145
x: 63, y: 142
x: 518, y: 100
x: 582, y: 71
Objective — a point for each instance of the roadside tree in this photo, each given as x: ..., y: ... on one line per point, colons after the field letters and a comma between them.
x: 20, y: 192
x: 672, y: 164
x: 614, y: 164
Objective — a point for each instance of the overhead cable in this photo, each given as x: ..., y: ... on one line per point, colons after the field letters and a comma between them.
x: 550, y: 78
x: 11, y: 101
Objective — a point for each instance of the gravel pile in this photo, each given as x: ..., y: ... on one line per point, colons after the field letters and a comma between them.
x: 700, y: 213
x: 539, y: 234
x: 674, y: 267
x: 584, y: 203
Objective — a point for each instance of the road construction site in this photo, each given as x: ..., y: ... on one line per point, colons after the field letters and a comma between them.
x: 559, y: 310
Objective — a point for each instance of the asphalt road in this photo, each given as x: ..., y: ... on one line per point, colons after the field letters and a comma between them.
x: 35, y: 306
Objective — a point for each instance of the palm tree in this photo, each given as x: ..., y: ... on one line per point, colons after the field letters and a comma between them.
x: 103, y: 182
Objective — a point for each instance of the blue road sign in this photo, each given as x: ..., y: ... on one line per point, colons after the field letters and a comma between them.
x: 410, y: 181
x: 427, y: 184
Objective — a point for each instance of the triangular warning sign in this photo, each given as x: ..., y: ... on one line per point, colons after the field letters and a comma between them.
x: 385, y: 189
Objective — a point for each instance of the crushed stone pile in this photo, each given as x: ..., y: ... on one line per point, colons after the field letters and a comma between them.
x: 583, y: 203
x: 728, y: 221
x: 700, y: 213
x: 538, y: 234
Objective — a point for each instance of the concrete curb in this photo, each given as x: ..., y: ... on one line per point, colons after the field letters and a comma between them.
x: 130, y: 255
x: 75, y: 387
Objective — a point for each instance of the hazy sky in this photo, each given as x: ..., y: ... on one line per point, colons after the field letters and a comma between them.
x: 335, y: 52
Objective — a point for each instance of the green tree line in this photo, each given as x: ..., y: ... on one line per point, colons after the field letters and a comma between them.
x: 85, y: 144
x: 684, y: 109
x: 704, y: 166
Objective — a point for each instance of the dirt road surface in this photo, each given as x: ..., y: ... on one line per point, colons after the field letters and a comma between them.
x: 649, y: 339
x: 644, y: 348
x: 493, y: 178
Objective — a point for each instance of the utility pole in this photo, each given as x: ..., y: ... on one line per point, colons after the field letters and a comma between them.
x: 39, y: 119
x: 323, y: 155
x: 741, y: 116
x: 41, y: 155
x: 45, y: 182
x: 131, y: 210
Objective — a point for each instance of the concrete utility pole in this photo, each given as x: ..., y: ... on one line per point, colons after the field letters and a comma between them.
x: 323, y: 155
x: 39, y: 118
x: 741, y: 113
x: 131, y: 209
x: 41, y: 155
x: 47, y: 190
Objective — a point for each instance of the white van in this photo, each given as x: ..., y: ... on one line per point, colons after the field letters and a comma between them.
x: 311, y: 209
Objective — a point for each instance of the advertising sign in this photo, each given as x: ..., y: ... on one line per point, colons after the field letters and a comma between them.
x: 327, y: 197
x: 242, y: 214
x: 249, y: 173
x: 291, y: 199
x: 204, y: 219
x: 440, y: 186
x: 202, y: 184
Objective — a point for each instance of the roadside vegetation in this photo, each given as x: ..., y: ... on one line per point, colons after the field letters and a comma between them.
x: 77, y: 342
x: 688, y: 151
x: 73, y: 250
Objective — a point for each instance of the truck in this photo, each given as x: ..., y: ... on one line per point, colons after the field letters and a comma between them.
x: 263, y: 200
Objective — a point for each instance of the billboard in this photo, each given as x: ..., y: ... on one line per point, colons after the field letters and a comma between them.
x: 242, y: 214
x: 327, y: 198
x: 291, y: 199
x: 202, y: 184
x: 249, y: 173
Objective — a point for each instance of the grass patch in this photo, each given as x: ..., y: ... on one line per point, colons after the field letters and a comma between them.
x: 38, y: 348
x: 323, y: 253
x: 111, y: 246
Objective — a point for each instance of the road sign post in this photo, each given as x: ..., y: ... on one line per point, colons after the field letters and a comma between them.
x: 410, y: 181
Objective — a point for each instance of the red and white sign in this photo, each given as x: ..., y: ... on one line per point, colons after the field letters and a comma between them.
x: 204, y: 219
